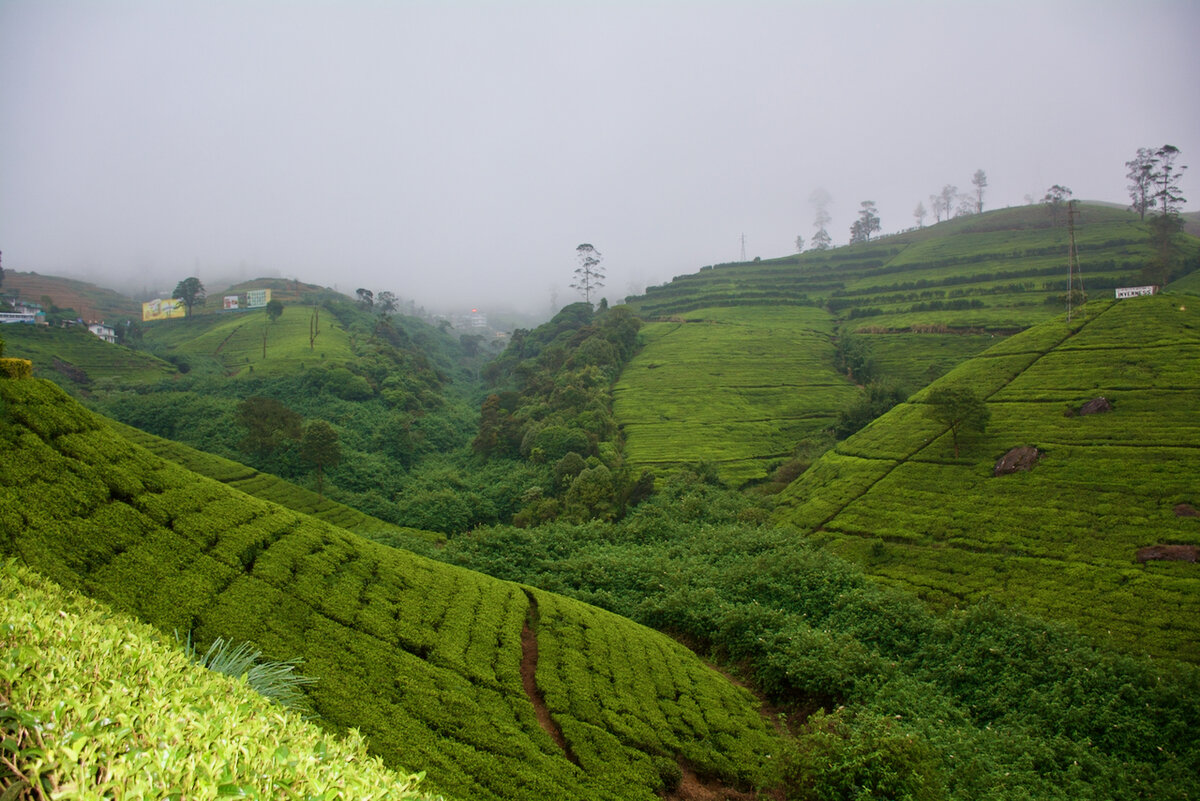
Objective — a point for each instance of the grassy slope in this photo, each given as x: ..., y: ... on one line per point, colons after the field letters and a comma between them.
x: 1002, y: 265
x: 1059, y: 540
x: 277, y: 490
x: 122, y: 713
x: 235, y: 340
x: 734, y: 386
x: 421, y: 656
x: 59, y: 353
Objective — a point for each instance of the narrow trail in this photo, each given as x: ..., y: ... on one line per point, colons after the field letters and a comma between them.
x: 529, y: 660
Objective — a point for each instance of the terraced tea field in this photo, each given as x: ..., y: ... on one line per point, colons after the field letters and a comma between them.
x: 235, y: 340
x: 272, y: 488
x: 736, y: 386
x: 422, y: 657
x: 744, y: 391
x: 1061, y: 539
x: 77, y: 359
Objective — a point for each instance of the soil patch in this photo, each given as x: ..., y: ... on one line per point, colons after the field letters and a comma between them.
x: 529, y: 660
x: 1019, y: 458
x: 1096, y: 406
x: 1186, y: 510
x: 1168, y: 553
x: 693, y: 788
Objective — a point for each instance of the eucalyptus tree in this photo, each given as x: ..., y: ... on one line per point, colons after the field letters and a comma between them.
x: 979, y: 180
x: 589, y: 275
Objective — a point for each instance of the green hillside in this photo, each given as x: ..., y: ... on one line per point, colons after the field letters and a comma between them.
x: 917, y: 303
x: 1060, y: 539
x: 79, y: 361
x: 94, y: 704
x: 735, y: 386
x: 276, y: 490
x: 429, y: 661
x: 235, y: 340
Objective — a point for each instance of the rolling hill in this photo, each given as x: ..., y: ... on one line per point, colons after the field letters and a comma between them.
x: 81, y: 362
x: 918, y: 303
x: 442, y: 669
x: 1061, y: 539
x: 90, y: 302
x: 733, y: 386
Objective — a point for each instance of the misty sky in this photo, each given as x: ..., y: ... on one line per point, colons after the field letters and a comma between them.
x: 456, y: 153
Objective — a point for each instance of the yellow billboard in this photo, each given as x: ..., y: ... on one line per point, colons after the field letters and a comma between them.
x: 163, y: 309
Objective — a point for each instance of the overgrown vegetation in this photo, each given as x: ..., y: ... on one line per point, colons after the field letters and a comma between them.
x: 984, y: 703
x: 554, y: 408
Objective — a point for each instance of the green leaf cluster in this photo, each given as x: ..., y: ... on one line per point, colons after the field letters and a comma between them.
x: 94, y: 704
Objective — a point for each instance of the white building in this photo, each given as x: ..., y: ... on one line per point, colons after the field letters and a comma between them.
x: 103, y: 331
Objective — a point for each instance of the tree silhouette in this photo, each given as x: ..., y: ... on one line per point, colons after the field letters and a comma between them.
x: 959, y: 408
x: 191, y: 292
x: 319, y: 447
x: 589, y: 276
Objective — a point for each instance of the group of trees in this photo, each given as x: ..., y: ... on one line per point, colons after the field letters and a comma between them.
x: 385, y: 302
x: 866, y: 224
x: 951, y: 203
x: 552, y: 406
x: 946, y: 204
x: 1154, y: 188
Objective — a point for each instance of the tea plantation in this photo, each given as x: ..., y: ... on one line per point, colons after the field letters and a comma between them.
x: 1061, y: 538
x: 81, y: 361
x: 276, y: 490
x: 735, y: 386
x: 423, y: 658
x: 94, y: 704
x: 736, y: 367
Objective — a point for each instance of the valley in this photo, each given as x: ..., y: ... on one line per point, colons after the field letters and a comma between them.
x: 519, y: 570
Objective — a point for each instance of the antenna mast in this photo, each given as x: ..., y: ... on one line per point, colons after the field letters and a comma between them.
x: 1074, y: 275
x: 743, y: 247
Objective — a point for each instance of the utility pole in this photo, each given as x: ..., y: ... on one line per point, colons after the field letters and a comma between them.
x: 1073, y: 272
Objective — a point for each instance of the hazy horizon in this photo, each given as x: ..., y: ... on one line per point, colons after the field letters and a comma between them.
x: 457, y: 153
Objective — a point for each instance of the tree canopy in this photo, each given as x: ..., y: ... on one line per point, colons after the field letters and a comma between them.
x: 960, y: 408
x: 319, y: 448
x: 191, y: 292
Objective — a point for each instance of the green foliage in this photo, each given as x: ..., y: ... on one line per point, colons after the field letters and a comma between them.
x: 274, y: 309
x: 319, y: 447
x: 738, y: 387
x: 1059, y: 540
x: 561, y: 404
x: 842, y: 755
x: 15, y: 368
x: 422, y: 657
x: 877, y: 398
x: 268, y: 424
x: 96, y: 705
x: 959, y: 408
x: 191, y: 292
x: 275, y: 680
x: 985, y: 703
